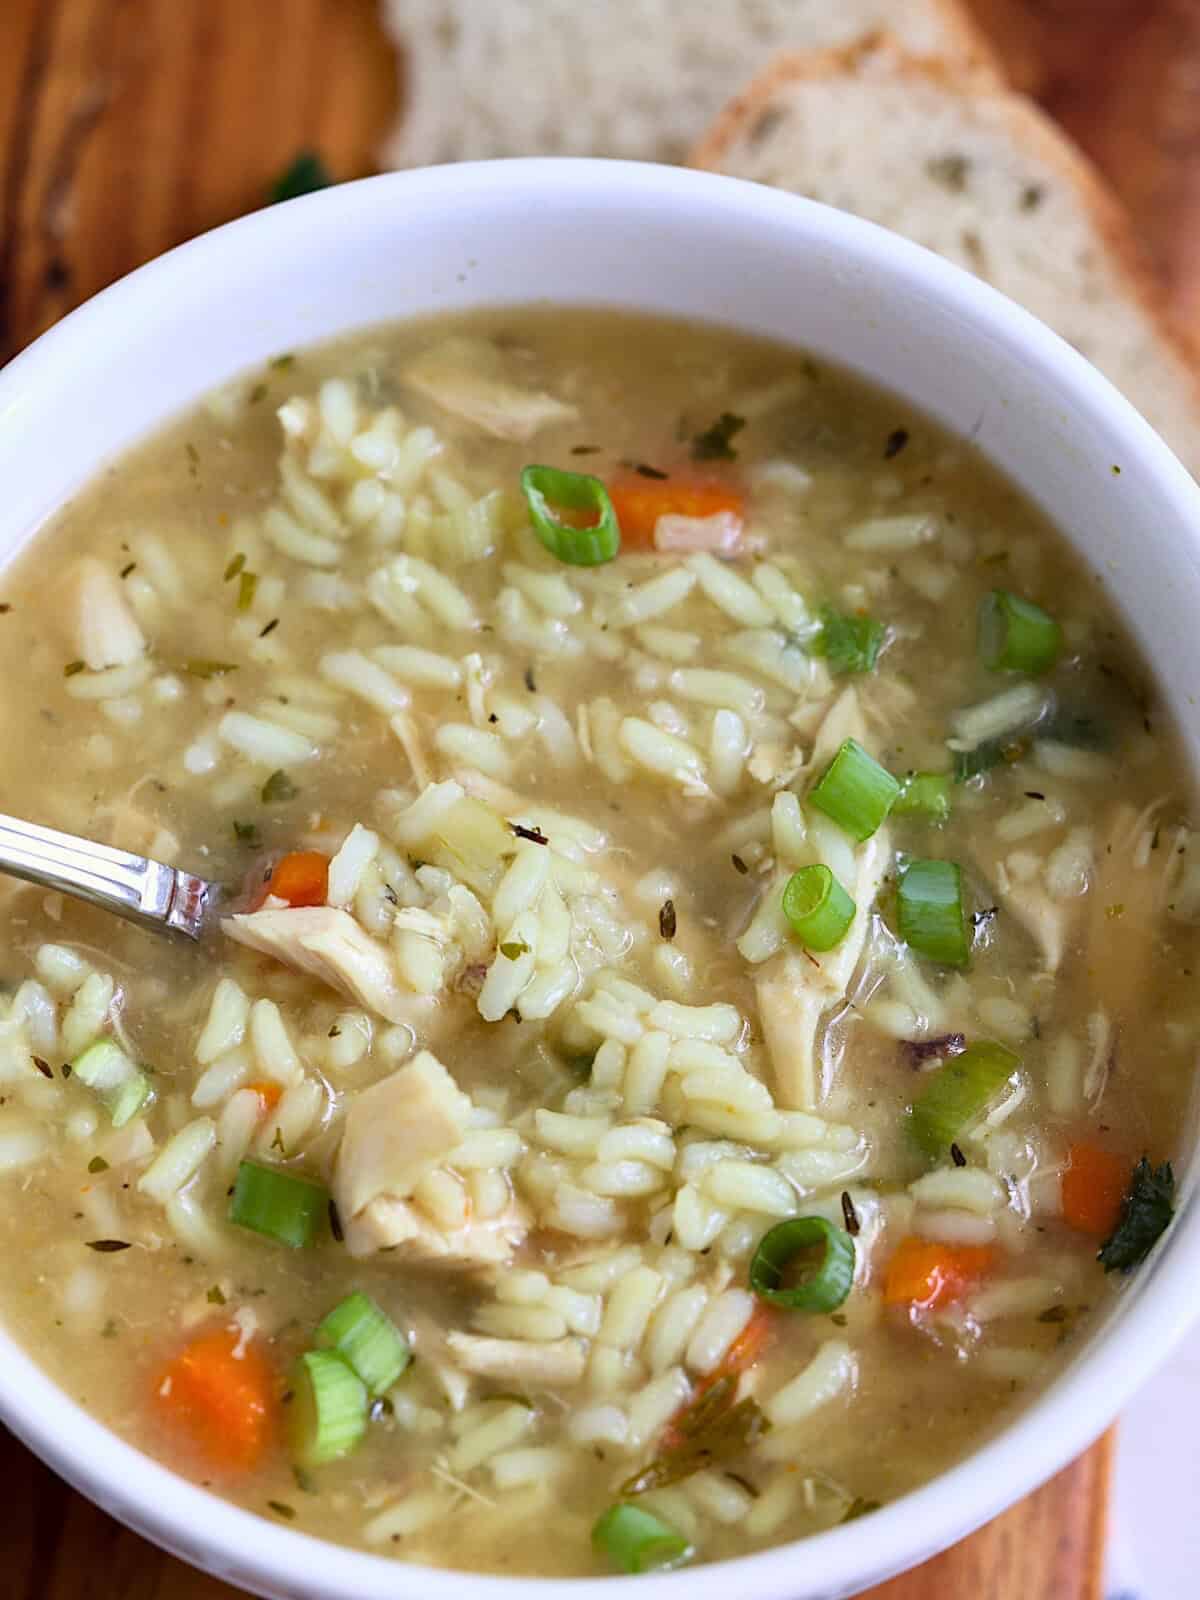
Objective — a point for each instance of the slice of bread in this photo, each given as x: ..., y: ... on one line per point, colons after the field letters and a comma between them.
x: 957, y: 161
x: 635, y: 78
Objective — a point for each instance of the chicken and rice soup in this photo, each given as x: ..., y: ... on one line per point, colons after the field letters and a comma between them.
x: 705, y: 1010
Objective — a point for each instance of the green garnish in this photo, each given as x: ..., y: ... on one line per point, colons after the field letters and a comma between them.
x: 859, y: 1507
x: 368, y: 1341
x: 328, y: 1413
x: 991, y: 753
x: 278, y: 788
x: 1015, y: 635
x: 215, y: 1296
x: 824, y: 1256
x: 855, y: 791
x: 245, y: 832
x: 850, y: 644
x: 277, y: 1204
x: 817, y: 907
x: 513, y: 949
x: 208, y: 669
x: 305, y: 175
x: 550, y: 491
x: 247, y: 584
x: 924, y: 794
x: 713, y: 1429
x: 121, y: 1085
x: 637, y: 1541
x: 716, y: 442
x: 236, y: 564
x: 959, y: 1094
x: 71, y: 668
x: 930, y: 916
x: 97, y: 1164
x: 1146, y: 1211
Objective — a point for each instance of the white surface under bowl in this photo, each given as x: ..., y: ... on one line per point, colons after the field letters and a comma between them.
x: 654, y: 239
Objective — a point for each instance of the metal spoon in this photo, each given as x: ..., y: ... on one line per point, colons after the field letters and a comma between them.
x: 146, y: 892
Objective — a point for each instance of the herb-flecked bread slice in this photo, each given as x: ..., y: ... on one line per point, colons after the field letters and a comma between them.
x: 952, y: 158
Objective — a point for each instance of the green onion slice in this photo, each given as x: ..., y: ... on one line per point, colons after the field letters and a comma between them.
x: 817, y: 907
x: 122, y: 1086
x: 959, y: 1094
x: 277, y: 1204
x: 850, y: 644
x: 930, y: 912
x: 1015, y: 635
x: 327, y: 1415
x: 855, y: 791
x: 637, y: 1541
x: 826, y: 1264
x: 924, y: 794
x: 549, y: 490
x: 367, y: 1339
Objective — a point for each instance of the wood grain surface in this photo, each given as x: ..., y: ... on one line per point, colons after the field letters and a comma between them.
x: 127, y: 126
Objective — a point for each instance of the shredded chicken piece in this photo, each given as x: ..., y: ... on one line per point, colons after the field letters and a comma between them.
x: 796, y: 992
x: 1125, y: 906
x: 395, y: 1131
x: 327, y: 943
x: 721, y: 533
x: 467, y: 378
x: 560, y: 1362
x: 395, y: 1225
x: 103, y: 628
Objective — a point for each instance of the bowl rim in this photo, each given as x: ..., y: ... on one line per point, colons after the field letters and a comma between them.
x: 1055, y: 1425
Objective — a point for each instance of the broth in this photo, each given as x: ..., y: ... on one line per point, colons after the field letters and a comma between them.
x: 563, y: 803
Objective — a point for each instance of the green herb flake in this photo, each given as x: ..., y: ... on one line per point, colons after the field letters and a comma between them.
x: 214, y: 1296
x: 306, y: 174
x: 859, y: 1507
x: 282, y: 1509
x: 110, y: 1329
x: 1146, y: 1211
x: 236, y: 564
x: 208, y: 669
x: 305, y: 1481
x: 246, y: 833
x: 257, y: 394
x: 278, y: 788
x: 850, y: 644
x: 282, y: 363
x: 950, y: 171
x: 97, y: 1164
x: 513, y: 949
x: 247, y: 586
x: 712, y: 1431
x: 71, y: 668
x: 716, y: 442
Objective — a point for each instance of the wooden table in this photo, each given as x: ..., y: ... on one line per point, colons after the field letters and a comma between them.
x: 127, y: 126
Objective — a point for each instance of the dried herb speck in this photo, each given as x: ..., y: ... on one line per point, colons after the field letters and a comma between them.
x: 849, y: 1214
x: 666, y: 919
x: 108, y: 1247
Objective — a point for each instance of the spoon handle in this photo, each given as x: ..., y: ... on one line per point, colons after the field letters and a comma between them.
x: 144, y: 891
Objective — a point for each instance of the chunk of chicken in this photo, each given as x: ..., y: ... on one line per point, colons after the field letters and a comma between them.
x: 467, y: 377
x: 104, y: 630
x: 796, y: 992
x: 395, y: 1131
x: 327, y: 943
x: 556, y: 1364
x: 391, y: 1224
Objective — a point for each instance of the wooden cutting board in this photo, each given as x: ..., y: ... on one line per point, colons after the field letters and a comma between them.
x: 127, y: 126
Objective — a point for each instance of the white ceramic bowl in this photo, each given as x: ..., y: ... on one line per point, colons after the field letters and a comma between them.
x: 660, y: 240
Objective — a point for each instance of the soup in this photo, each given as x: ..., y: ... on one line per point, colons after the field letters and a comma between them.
x: 705, y: 1008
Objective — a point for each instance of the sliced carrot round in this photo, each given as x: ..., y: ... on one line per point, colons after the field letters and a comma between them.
x: 219, y: 1392
x: 924, y: 1274
x: 1093, y: 1186
x: 639, y: 502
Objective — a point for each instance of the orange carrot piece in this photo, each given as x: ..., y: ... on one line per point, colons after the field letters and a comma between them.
x: 1093, y: 1187
x: 925, y: 1274
x: 220, y: 1392
x: 301, y: 878
x: 743, y: 1353
x: 269, y: 1093
x: 639, y: 502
